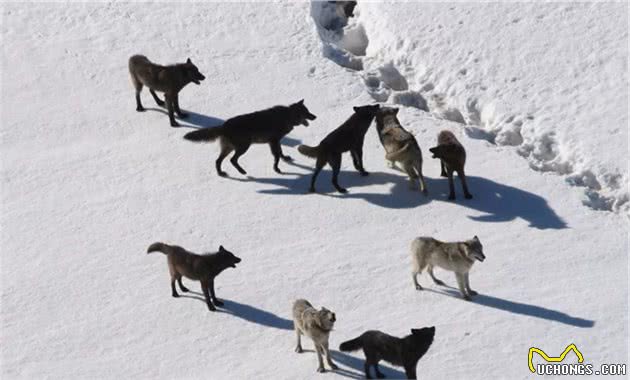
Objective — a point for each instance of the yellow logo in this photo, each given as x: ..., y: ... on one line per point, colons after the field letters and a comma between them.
x: 552, y: 359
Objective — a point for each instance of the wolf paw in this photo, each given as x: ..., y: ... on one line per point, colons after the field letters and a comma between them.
x: 218, y: 303
x: 333, y: 366
x: 468, y: 196
x: 184, y: 289
x: 175, y: 295
x: 299, y: 349
x: 277, y: 170
x: 287, y: 158
x: 342, y: 190
x: 419, y: 287
x: 182, y: 115
x: 467, y: 298
x: 222, y: 174
x: 439, y: 282
x: 140, y: 109
x: 174, y: 124
x: 212, y: 308
x: 321, y: 369
x: 364, y: 173
x: 451, y: 197
x: 472, y: 293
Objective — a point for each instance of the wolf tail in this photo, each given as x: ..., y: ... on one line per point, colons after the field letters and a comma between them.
x: 397, y: 155
x: 308, y: 151
x: 351, y: 345
x: 205, y: 134
x: 159, y: 247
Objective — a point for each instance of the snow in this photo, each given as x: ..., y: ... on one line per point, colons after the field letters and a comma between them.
x: 88, y: 183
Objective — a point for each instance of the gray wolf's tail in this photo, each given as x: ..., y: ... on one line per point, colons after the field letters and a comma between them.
x: 206, y: 134
x: 159, y: 247
x: 351, y: 345
x: 397, y: 155
x: 308, y: 151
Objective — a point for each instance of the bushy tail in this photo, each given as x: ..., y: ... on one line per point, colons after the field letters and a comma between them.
x: 308, y: 151
x: 159, y: 247
x: 351, y: 345
x: 205, y: 134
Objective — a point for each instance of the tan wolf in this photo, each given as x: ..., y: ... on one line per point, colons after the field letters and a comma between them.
x: 317, y: 325
x: 458, y: 257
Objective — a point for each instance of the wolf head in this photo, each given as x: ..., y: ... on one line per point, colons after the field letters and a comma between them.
x: 444, y: 151
x: 474, y: 249
x: 420, y: 340
x: 300, y: 114
x: 326, y: 318
x: 228, y: 257
x: 368, y: 111
x: 192, y: 72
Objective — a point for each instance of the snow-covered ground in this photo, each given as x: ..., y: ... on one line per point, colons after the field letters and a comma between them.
x: 88, y: 183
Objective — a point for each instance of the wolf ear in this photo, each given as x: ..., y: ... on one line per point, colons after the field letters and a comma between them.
x: 301, y: 101
x: 356, y: 109
x: 396, y: 111
x: 221, y: 249
x: 188, y: 61
x: 415, y: 331
x: 476, y: 238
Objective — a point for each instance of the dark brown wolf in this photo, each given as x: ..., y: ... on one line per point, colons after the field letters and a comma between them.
x: 263, y: 127
x: 167, y: 79
x: 403, y: 352
x: 202, y: 268
x: 452, y: 157
x: 347, y: 137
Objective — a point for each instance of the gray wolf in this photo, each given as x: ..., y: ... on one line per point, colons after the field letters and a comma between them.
x: 347, y: 137
x: 167, y: 79
x: 263, y: 127
x: 317, y: 325
x: 458, y: 257
x: 452, y: 157
x: 400, y: 146
x: 403, y: 352
x: 202, y: 268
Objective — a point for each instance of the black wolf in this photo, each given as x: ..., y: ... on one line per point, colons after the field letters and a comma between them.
x: 263, y: 127
x: 202, y: 268
x: 167, y: 79
x: 347, y: 137
x: 403, y: 352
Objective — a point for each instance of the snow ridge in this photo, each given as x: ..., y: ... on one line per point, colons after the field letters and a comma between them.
x: 390, y: 74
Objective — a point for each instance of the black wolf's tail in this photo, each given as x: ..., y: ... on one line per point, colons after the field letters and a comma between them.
x: 351, y: 345
x: 205, y: 134
x: 308, y: 151
x: 159, y: 247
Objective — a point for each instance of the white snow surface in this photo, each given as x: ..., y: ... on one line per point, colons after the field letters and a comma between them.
x: 88, y: 183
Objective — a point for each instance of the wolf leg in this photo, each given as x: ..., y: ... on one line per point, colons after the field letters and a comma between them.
x: 451, y: 186
x: 240, y: 150
x: 298, y: 348
x: 467, y: 283
x: 170, y: 105
x: 320, y: 368
x: 366, y: 368
x: 174, y: 276
x: 379, y: 374
x: 276, y: 151
x: 138, y: 86
x: 443, y: 169
x: 335, y: 163
x: 423, y: 185
x: 179, y: 112
x: 410, y: 371
x: 358, y: 153
x: 181, y: 286
x: 461, y: 285
x: 462, y: 178
x: 158, y: 101
x: 204, y: 289
x: 319, y: 165
x: 173, y: 290
x: 139, y: 106
x: 225, y: 150
x: 332, y: 365
x: 215, y: 300
x: 435, y: 279
x: 411, y: 173
x: 414, y: 277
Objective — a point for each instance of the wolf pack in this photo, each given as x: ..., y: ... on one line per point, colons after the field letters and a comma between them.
x: 270, y: 126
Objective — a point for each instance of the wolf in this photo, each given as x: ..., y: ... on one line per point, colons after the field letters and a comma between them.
x: 457, y: 257
x: 317, y: 325
x: 167, y: 79
x: 400, y: 146
x: 452, y: 157
x: 403, y: 352
x: 264, y: 127
x: 347, y: 137
x: 202, y: 268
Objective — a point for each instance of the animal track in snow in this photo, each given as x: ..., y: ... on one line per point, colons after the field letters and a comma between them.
x: 390, y: 76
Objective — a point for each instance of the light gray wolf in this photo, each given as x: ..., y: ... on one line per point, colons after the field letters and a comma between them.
x: 347, y: 137
x: 202, y: 268
x: 403, y: 352
x: 167, y: 79
x: 458, y: 257
x: 263, y: 127
x: 317, y: 325
x: 452, y: 157
x: 400, y: 146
